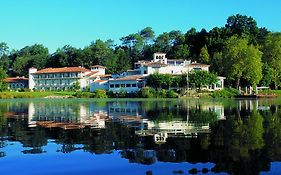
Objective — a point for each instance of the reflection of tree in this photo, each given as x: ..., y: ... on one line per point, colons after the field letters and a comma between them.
x: 3, y: 131
x: 200, y: 116
x: 273, y: 135
x: 240, y: 142
x: 142, y: 156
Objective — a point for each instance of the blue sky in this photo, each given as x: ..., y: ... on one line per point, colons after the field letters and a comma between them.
x: 55, y: 23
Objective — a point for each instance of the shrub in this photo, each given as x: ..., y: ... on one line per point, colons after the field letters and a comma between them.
x: 171, y: 94
x: 148, y: 92
x: 162, y: 93
x: 100, y: 93
x: 225, y: 93
x: 82, y: 94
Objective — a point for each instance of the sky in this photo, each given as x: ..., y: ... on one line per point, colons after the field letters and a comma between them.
x: 55, y: 23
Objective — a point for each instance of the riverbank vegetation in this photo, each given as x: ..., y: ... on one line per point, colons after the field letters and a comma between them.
x: 36, y: 94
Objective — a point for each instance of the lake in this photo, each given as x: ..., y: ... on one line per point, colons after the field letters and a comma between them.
x: 140, y: 137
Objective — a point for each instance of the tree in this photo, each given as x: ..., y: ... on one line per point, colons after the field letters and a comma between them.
x: 148, y: 35
x: 4, y: 49
x: 180, y: 52
x: 123, y: 63
x: 272, y: 56
x: 157, y: 80
x: 104, y: 55
x: 204, y: 56
x: 3, y: 75
x: 199, y: 79
x: 267, y: 73
x: 242, y: 25
x: 4, y: 59
x: 242, y: 61
x: 30, y: 56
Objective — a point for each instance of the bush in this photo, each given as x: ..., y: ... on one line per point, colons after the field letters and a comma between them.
x: 148, y: 92
x: 225, y: 93
x: 161, y: 93
x: 82, y: 94
x: 100, y: 93
x: 6, y: 96
x: 171, y: 94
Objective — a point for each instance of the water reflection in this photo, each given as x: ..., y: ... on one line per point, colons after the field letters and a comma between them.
x: 239, y: 137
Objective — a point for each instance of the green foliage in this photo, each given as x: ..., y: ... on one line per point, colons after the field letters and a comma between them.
x: 83, y: 94
x: 171, y: 94
x: 148, y: 92
x: 204, y: 56
x: 29, y: 56
x: 225, y: 93
x: 160, y: 80
x: 100, y: 93
x: 34, y: 94
x: 3, y: 75
x: 199, y: 79
x: 242, y: 61
x: 272, y: 56
x: 76, y: 86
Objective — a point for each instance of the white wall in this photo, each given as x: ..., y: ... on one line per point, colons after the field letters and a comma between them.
x: 124, y: 89
x: 31, y: 82
x: 95, y: 85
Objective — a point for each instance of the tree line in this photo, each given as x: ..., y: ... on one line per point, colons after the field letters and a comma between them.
x: 241, y: 51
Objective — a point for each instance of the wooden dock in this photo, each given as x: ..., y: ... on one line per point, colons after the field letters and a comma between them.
x: 62, y: 125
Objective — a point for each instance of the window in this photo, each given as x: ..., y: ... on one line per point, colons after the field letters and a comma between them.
x: 122, y: 85
x: 145, y: 72
x: 111, y: 86
x: 117, y: 85
x: 128, y: 85
x: 134, y: 85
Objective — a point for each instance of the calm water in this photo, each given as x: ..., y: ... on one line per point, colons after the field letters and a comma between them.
x: 140, y: 137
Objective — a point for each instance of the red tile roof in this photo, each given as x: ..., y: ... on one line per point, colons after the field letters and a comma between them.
x: 62, y: 70
x: 198, y: 65
x: 102, y: 76
x: 156, y: 64
x: 98, y: 66
x: 133, y: 77
x: 100, y: 81
x: 92, y: 73
x: 15, y: 79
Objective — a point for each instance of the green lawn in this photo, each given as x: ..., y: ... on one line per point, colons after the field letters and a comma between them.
x: 11, y: 94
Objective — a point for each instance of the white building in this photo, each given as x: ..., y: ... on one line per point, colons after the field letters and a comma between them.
x: 132, y: 81
x: 63, y: 78
x: 128, y: 84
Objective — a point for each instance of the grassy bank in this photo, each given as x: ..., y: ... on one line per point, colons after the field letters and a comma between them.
x: 277, y: 92
x: 8, y: 95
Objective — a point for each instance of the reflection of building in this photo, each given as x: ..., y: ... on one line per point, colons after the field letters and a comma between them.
x: 130, y: 113
x: 55, y: 113
x: 162, y: 130
x: 218, y: 109
x: 117, y: 109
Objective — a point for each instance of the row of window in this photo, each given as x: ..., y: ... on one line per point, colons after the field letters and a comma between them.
x: 17, y: 85
x: 122, y: 85
x: 69, y: 81
x: 62, y: 75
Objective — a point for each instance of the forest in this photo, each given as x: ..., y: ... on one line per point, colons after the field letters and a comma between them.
x: 240, y: 51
